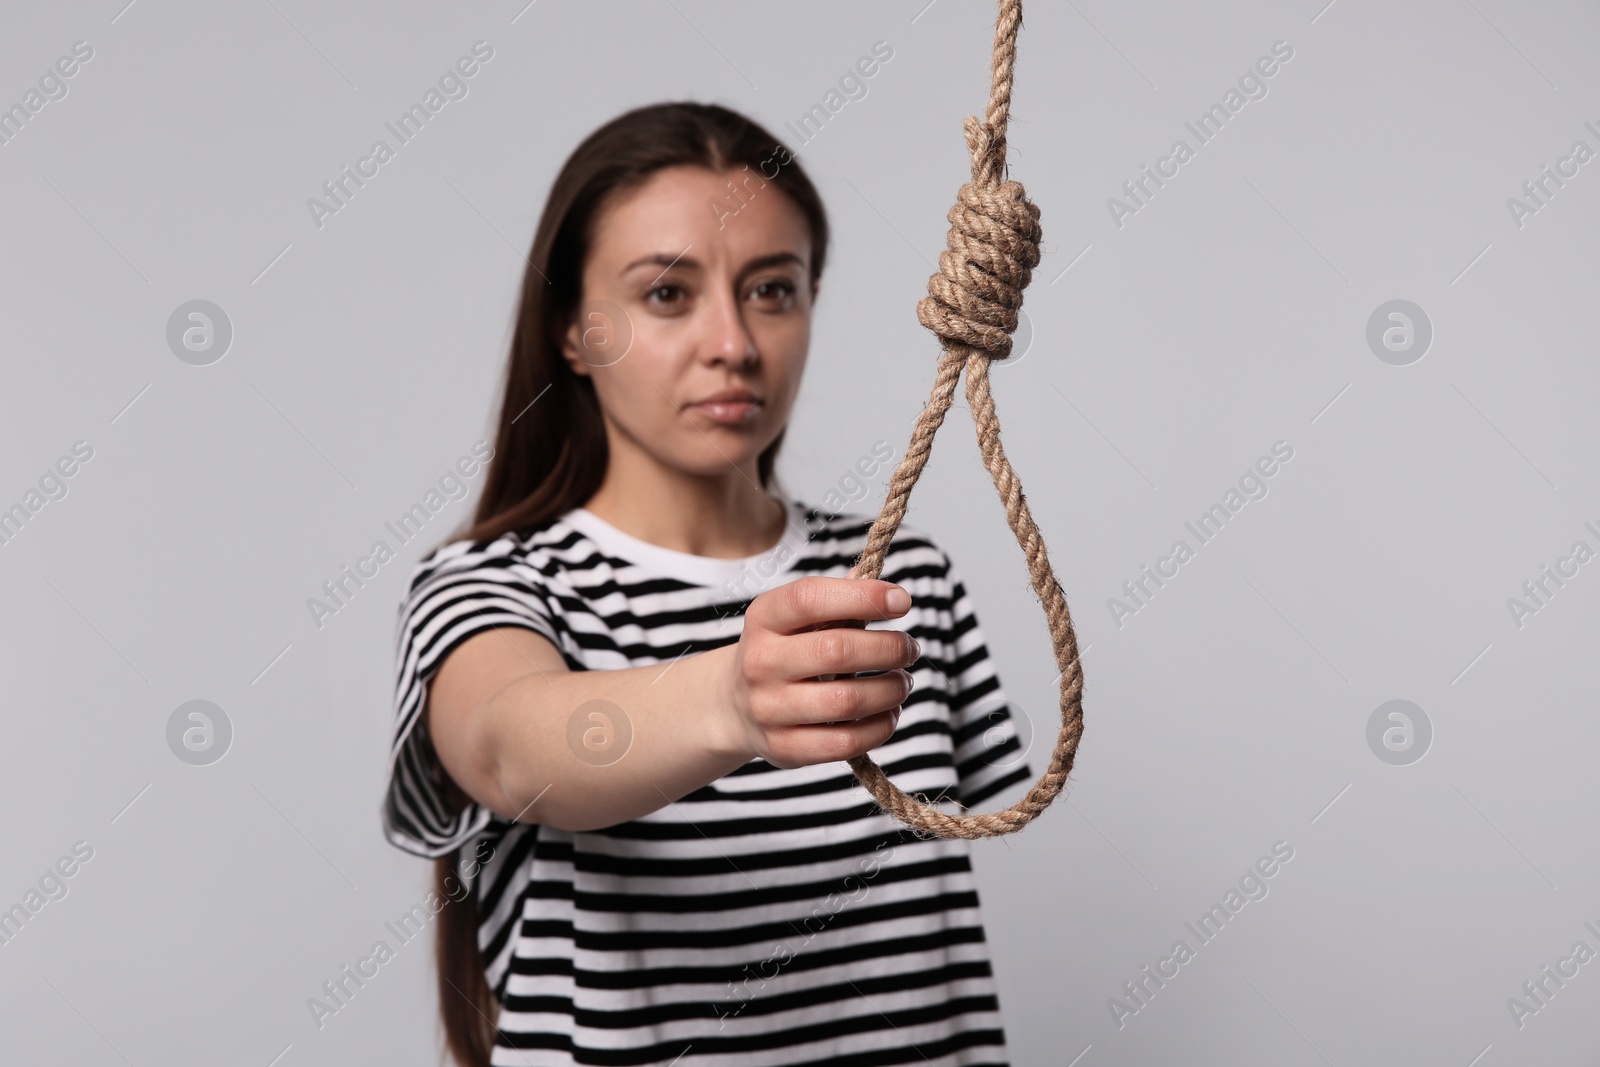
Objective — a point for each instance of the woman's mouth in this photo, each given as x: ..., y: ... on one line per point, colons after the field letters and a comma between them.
x: 729, y: 412
x: 731, y: 407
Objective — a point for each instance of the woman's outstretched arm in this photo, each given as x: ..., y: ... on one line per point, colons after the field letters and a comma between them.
x: 500, y: 705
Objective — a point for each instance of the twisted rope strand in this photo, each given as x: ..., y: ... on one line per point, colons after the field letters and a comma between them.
x: 972, y: 305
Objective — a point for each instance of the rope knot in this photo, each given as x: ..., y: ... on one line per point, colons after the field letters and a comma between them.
x: 991, y: 249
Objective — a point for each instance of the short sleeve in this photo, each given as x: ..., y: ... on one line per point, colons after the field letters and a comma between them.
x: 461, y: 589
x: 989, y: 754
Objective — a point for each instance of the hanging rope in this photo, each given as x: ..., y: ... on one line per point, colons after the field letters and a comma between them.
x: 972, y: 303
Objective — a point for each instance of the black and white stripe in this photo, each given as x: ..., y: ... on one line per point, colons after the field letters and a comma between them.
x: 771, y: 918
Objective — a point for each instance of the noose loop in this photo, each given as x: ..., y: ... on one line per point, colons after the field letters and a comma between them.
x: 972, y: 305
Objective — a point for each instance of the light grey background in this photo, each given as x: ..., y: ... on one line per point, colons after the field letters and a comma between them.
x: 1229, y: 313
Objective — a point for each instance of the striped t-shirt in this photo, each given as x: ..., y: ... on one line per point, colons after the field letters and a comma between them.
x: 769, y: 919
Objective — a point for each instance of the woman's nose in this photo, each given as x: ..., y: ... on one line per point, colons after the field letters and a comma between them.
x: 730, y: 341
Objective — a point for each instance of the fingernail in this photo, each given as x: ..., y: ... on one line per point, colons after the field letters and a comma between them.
x: 899, y: 600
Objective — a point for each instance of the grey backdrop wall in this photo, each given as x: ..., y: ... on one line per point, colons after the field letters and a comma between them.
x: 1427, y: 534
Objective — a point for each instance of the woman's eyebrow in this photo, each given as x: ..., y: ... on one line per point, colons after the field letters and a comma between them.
x: 773, y: 260
x: 664, y: 261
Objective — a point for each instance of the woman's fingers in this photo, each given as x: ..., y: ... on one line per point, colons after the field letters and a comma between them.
x: 845, y: 650
x: 806, y: 745
x: 838, y: 700
x: 813, y: 601
x: 813, y: 683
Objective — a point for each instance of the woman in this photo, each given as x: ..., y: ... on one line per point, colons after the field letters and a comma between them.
x: 625, y: 692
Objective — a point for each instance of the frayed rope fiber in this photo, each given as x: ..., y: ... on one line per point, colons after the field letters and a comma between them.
x: 972, y: 304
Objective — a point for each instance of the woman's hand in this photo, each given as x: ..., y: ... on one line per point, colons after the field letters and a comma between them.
x: 795, y: 697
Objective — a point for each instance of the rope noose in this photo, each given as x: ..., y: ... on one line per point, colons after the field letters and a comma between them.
x: 972, y: 303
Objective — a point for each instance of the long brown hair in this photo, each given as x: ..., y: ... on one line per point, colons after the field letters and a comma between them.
x: 550, y: 450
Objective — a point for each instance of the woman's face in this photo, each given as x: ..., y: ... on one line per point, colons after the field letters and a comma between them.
x: 693, y: 290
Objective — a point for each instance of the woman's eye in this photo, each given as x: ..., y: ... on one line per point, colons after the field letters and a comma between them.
x: 778, y: 288
x: 672, y: 293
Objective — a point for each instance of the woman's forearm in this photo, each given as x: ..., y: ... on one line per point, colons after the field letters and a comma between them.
x: 671, y: 724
